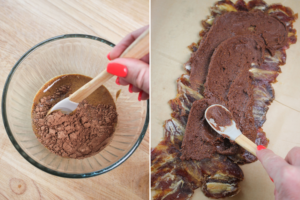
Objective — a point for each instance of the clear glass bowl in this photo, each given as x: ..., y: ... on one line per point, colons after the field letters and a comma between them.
x: 69, y: 54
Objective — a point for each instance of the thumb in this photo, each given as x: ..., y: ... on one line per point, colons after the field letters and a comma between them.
x: 272, y: 163
x: 132, y: 70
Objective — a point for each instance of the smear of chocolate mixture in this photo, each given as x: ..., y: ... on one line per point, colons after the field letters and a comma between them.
x: 220, y: 116
x: 81, y: 134
x: 228, y: 83
x: 238, y: 57
x: 269, y: 28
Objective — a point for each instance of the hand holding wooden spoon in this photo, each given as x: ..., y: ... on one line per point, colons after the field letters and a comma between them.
x: 285, y: 173
x: 132, y: 72
x: 138, y: 49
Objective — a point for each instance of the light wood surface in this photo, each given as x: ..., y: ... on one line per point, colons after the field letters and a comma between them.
x: 174, y: 26
x: 26, y: 23
x: 138, y: 49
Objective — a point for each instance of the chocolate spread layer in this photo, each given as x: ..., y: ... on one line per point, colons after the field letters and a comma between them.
x: 220, y: 116
x: 217, y: 176
x: 269, y: 28
x: 229, y: 83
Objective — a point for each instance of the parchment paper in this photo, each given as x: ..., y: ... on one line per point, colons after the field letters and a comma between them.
x: 175, y: 25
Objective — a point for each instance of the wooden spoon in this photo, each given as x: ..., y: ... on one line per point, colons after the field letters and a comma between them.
x: 138, y: 49
x: 229, y: 130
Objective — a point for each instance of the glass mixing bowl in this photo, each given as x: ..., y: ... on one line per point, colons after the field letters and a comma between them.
x: 69, y: 54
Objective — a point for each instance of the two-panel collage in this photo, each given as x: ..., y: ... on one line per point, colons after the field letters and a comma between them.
x: 149, y: 100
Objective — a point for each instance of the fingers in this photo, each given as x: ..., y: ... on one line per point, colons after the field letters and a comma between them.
x: 125, y: 42
x: 145, y: 58
x: 132, y: 89
x: 293, y: 157
x: 285, y: 176
x: 133, y: 71
x: 143, y: 96
x: 121, y: 81
x: 272, y: 163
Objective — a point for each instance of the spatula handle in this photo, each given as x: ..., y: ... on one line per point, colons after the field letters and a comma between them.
x: 247, y: 144
x: 138, y: 49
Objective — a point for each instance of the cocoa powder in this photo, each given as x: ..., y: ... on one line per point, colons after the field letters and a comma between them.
x: 78, y: 135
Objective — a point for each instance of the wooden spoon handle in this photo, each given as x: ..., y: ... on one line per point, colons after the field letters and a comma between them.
x: 138, y: 49
x: 247, y: 144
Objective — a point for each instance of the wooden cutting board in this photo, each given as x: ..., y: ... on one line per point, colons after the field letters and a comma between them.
x: 26, y: 23
x: 174, y: 26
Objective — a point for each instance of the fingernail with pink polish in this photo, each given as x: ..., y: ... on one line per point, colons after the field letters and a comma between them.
x: 118, y: 80
x: 108, y: 56
x: 260, y: 147
x: 140, y: 96
x: 117, y: 69
x: 130, y: 88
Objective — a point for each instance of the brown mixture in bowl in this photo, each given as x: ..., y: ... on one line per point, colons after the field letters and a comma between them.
x: 84, y: 132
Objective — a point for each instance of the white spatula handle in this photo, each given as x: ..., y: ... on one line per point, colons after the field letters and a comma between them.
x: 138, y: 49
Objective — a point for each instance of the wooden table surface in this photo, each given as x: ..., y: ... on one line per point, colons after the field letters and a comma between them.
x: 28, y: 22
